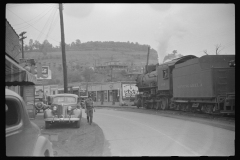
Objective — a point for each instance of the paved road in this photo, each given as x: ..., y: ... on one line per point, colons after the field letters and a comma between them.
x: 128, y: 133
x: 138, y: 134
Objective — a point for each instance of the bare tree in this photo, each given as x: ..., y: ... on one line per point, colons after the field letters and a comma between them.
x: 218, y: 49
x: 205, y: 51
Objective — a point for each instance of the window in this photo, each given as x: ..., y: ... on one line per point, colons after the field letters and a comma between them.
x: 165, y: 74
x: 12, y: 110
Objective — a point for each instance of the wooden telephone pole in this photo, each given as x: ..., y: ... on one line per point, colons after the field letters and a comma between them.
x: 22, y: 38
x: 63, y: 50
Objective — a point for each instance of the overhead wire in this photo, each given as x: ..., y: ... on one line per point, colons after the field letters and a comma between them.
x: 34, y: 17
x: 15, y: 5
x: 27, y: 26
x: 31, y: 25
x: 51, y: 24
x: 45, y: 26
x: 53, y: 5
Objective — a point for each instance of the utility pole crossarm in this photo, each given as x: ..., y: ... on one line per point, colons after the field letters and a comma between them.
x: 22, y: 38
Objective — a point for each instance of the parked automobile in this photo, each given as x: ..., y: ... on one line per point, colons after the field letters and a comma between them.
x: 39, y: 105
x: 63, y: 108
x: 23, y: 137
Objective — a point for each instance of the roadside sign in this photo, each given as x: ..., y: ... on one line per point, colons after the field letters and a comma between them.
x: 41, y: 82
x: 129, y: 90
x: 46, y: 73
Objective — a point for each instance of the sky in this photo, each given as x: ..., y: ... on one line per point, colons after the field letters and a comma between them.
x: 189, y: 28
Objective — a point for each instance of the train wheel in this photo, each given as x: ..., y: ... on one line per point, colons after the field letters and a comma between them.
x: 164, y: 104
x: 209, y: 109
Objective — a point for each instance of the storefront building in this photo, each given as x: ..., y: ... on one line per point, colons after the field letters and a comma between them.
x: 112, y: 93
x: 18, y: 78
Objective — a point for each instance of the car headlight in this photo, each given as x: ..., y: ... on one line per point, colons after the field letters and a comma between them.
x: 69, y: 108
x: 55, y: 108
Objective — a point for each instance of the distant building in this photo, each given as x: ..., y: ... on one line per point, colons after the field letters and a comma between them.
x: 114, y: 65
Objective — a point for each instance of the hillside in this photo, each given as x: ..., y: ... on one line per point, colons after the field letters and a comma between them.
x: 78, y: 60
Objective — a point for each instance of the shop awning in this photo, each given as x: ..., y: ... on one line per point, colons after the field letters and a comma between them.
x: 16, y: 75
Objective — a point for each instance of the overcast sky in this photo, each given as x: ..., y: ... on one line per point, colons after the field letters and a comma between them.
x: 187, y: 28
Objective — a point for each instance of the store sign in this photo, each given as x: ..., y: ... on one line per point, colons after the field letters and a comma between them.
x: 41, y: 82
x: 45, y: 74
x: 129, y: 90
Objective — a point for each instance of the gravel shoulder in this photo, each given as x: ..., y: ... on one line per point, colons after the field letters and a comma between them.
x: 88, y: 140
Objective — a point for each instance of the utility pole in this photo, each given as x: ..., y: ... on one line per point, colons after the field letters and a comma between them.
x: 111, y: 72
x: 22, y: 38
x: 63, y: 50
x: 146, y: 69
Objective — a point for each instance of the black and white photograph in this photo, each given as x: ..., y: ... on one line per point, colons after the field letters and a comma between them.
x: 120, y: 79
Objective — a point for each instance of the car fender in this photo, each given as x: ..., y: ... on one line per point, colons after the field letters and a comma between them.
x: 77, y: 113
x: 42, y: 145
x: 47, y: 113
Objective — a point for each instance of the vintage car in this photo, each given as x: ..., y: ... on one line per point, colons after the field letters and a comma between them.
x: 23, y: 137
x: 39, y: 105
x: 63, y: 108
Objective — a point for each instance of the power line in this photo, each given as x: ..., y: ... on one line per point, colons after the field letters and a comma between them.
x: 31, y: 25
x: 33, y: 18
x: 15, y: 5
x: 51, y: 24
x: 25, y: 27
x: 46, y: 24
x: 53, y: 5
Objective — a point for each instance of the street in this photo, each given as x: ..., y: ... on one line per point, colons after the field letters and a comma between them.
x: 122, y: 133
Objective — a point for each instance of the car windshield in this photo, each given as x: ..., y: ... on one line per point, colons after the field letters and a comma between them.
x: 63, y: 99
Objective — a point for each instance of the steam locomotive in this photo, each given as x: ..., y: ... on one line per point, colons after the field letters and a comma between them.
x: 196, y: 84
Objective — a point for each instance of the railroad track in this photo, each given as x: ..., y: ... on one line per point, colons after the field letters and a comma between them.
x: 199, y: 115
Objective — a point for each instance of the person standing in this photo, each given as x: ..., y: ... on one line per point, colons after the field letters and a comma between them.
x: 89, y: 109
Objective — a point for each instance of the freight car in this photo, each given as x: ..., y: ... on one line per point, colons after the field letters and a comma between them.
x: 189, y: 83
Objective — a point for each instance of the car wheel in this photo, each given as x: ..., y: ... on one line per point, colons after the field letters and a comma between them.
x: 78, y: 123
x: 47, y: 125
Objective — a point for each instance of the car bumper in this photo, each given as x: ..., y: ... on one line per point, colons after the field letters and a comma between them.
x: 61, y: 119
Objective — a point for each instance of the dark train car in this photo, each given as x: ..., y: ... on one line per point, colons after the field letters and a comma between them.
x: 147, y: 81
x: 156, y: 86
x: 204, y: 84
x: 164, y: 81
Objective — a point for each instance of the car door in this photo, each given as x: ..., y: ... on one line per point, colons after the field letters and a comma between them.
x: 20, y: 134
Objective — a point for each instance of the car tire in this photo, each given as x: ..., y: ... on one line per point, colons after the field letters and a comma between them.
x: 47, y: 125
x: 77, y: 124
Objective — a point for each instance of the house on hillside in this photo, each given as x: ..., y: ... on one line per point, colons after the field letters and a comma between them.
x: 114, y: 65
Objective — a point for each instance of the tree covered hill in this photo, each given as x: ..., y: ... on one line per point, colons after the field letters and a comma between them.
x: 82, y: 55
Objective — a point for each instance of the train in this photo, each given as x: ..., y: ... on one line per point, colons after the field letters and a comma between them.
x: 189, y: 83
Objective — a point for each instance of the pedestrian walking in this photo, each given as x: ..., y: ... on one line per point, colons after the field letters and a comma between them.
x: 89, y: 109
